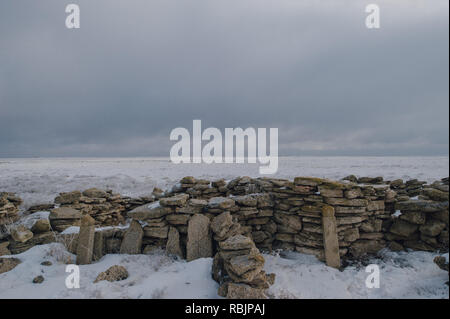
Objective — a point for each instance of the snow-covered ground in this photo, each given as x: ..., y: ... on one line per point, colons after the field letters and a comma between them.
x: 402, y: 275
x: 40, y: 180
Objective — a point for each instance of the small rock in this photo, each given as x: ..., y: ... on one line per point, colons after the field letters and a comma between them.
x: 38, y: 280
x: 113, y: 273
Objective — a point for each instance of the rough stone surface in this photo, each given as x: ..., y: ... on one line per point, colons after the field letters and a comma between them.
x: 21, y: 234
x: 7, y: 264
x: 113, y: 273
x: 132, y: 239
x: 173, y: 246
x: 330, y: 237
x: 199, y: 238
x: 85, y: 245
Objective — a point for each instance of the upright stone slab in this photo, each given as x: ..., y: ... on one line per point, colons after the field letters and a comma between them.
x: 86, y: 235
x: 330, y: 237
x: 99, y: 246
x: 199, y: 239
x: 173, y: 246
x: 132, y: 239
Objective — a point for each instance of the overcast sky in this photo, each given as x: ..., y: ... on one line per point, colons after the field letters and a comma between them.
x: 136, y: 69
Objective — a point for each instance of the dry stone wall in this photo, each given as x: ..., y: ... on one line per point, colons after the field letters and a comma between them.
x: 233, y: 221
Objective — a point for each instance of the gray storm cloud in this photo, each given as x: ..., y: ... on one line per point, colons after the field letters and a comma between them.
x: 137, y: 69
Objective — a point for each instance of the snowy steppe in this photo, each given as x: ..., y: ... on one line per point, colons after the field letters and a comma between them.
x: 402, y: 274
x: 39, y: 180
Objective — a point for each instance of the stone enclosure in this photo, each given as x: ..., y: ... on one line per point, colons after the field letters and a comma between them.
x: 235, y: 221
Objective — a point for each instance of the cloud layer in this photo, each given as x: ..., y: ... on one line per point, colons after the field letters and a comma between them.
x: 137, y: 69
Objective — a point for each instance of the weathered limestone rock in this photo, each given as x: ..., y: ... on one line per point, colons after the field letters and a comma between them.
x: 9, y: 208
x: 64, y: 217
x: 414, y: 217
x: 95, y: 193
x: 17, y: 247
x: 375, y: 205
x: 132, y: 239
x: 308, y: 181
x: 425, y: 206
x: 441, y: 262
x: 371, y: 226
x: 403, y: 228
x: 21, y: 234
x: 173, y: 246
x: 7, y: 264
x: 149, y: 211
x: 330, y: 192
x: 353, y: 193
x: 177, y: 200
x: 237, y: 242
x: 358, y: 202
x: 232, y: 290
x: 178, y: 219
x: 113, y: 273
x: 41, y: 226
x: 351, y: 234
x: 432, y: 227
x: 246, y: 200
x: 38, y: 279
x: 156, y: 232
x: 291, y: 221
x: 199, y: 239
x: 245, y: 267
x: 99, y: 246
x: 442, y: 216
x: 435, y: 194
x: 68, y: 198
x: 363, y: 246
x: 85, y: 245
x: 221, y: 224
x: 4, y: 248
x: 221, y: 203
x: 330, y: 237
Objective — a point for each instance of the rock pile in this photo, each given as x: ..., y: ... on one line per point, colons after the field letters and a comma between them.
x: 238, y: 264
x: 107, y: 208
x: 200, y: 188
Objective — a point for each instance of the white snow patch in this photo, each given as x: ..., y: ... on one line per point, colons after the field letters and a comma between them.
x: 154, y: 205
x: 403, y: 275
x: 397, y: 213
